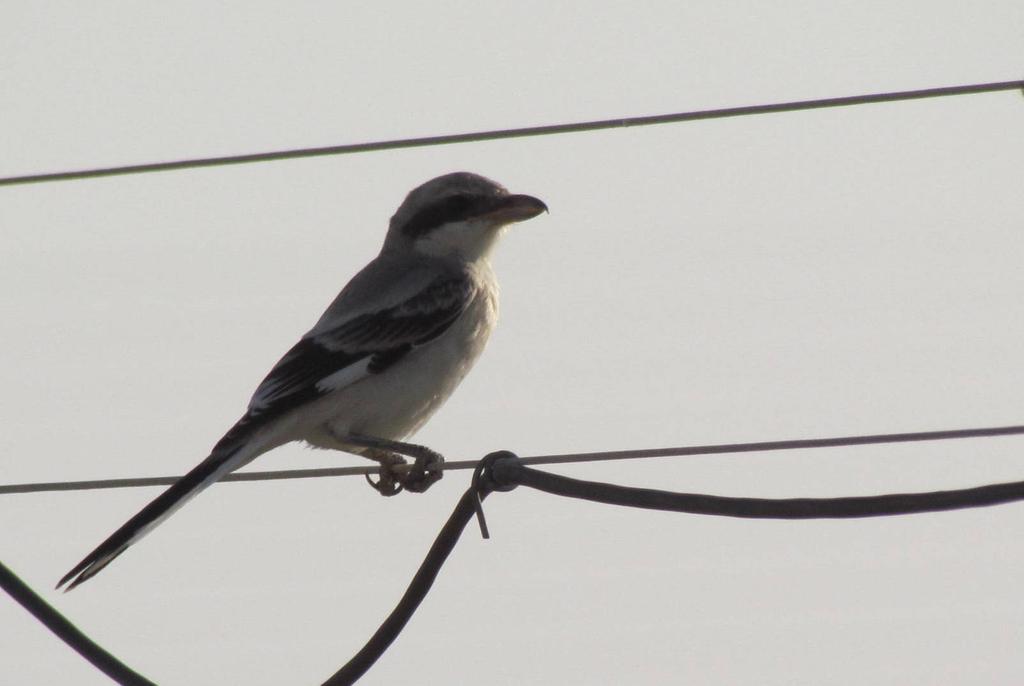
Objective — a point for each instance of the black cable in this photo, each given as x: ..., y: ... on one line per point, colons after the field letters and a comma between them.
x: 618, y: 122
x: 503, y: 471
x: 67, y: 632
x: 509, y: 471
x: 418, y: 587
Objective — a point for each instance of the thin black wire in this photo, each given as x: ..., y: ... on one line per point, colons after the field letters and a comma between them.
x: 683, y: 451
x: 68, y: 632
x: 499, y: 134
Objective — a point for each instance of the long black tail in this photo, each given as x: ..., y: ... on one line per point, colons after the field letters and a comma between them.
x: 184, y: 489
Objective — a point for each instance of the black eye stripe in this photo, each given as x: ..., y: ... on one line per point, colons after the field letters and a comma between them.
x: 451, y: 209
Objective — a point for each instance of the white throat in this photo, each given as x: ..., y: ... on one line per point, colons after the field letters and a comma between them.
x: 469, y: 241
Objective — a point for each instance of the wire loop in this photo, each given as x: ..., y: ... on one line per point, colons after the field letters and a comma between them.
x: 483, y: 482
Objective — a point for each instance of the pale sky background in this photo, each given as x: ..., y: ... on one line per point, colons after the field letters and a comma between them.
x: 796, y: 275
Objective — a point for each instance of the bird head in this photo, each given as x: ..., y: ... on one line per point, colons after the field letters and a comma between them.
x: 457, y: 215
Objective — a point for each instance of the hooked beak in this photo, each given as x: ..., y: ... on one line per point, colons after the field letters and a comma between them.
x: 516, y: 208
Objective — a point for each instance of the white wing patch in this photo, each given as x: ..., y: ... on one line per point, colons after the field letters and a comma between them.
x: 346, y: 376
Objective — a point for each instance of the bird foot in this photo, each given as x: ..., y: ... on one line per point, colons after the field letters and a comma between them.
x: 425, y: 471
x: 388, y: 481
x: 395, y: 477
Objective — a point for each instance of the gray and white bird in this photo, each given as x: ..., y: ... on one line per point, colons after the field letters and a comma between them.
x: 383, y: 357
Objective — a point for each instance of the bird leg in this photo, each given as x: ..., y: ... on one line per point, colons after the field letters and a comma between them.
x: 425, y: 470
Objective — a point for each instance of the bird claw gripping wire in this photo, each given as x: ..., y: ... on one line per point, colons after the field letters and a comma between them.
x: 393, y: 478
x: 388, y: 482
x: 426, y: 470
x: 484, y: 482
x: 385, y: 483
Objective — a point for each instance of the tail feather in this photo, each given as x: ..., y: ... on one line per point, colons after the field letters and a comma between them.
x: 184, y: 489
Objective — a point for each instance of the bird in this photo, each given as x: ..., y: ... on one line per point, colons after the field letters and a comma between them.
x: 383, y: 357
